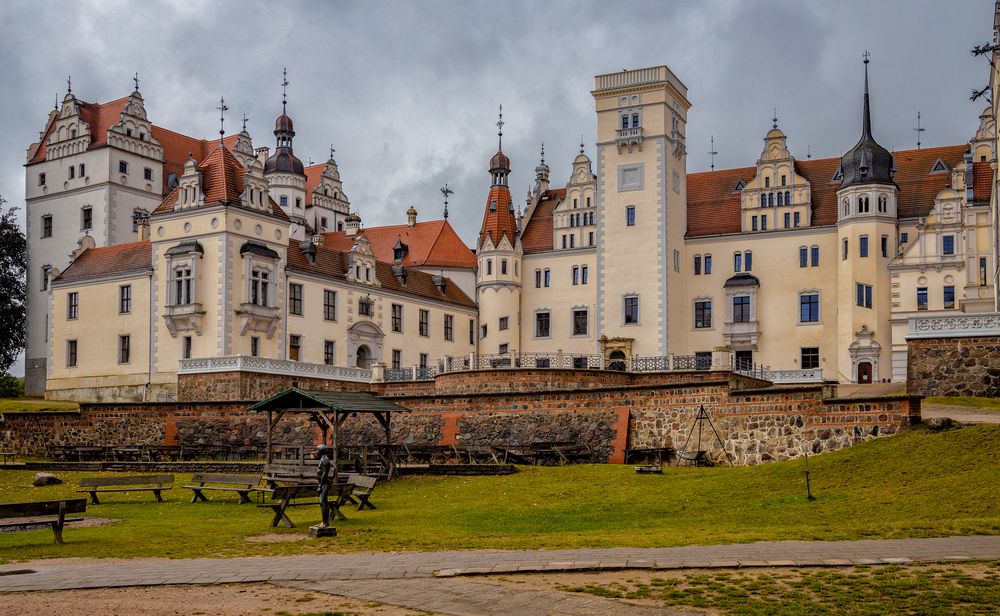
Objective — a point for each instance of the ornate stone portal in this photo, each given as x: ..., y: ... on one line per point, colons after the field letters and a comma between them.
x: 616, y: 348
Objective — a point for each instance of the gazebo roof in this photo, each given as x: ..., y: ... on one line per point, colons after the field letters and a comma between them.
x: 293, y: 399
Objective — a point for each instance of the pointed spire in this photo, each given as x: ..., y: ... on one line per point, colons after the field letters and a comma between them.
x: 500, y: 131
x: 222, y: 120
x: 867, y: 120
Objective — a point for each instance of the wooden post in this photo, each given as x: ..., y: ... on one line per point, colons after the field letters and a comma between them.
x: 268, y: 458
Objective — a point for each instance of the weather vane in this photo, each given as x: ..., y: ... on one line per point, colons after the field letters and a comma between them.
x: 332, y: 151
x: 222, y: 119
x: 500, y: 129
x: 284, y: 91
x: 245, y: 122
x: 918, y: 130
x: 446, y: 191
x: 712, y: 152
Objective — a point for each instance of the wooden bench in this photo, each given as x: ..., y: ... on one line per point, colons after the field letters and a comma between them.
x: 241, y: 484
x: 282, y: 498
x: 131, y: 483
x: 362, y: 487
x: 52, y: 513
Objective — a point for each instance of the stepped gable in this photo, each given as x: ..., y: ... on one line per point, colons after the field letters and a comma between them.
x: 332, y: 264
x: 537, y: 234
x: 433, y: 243
x: 221, y: 182
x: 110, y: 260
x: 714, y: 205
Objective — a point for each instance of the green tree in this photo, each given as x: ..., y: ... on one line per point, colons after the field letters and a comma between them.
x: 13, y: 262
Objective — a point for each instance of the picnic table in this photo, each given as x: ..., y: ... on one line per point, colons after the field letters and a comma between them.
x: 283, y: 497
x: 90, y: 453
x: 7, y: 456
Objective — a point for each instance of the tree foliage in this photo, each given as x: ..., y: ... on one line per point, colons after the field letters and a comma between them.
x: 13, y: 286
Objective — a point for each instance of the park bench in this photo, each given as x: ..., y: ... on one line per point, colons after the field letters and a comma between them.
x: 361, y: 490
x: 132, y: 483
x: 283, y: 497
x: 8, y: 457
x: 241, y: 484
x: 25, y: 516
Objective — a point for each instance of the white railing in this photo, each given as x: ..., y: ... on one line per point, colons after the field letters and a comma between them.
x: 231, y: 363
x: 985, y: 324
x: 632, y: 78
x: 810, y: 375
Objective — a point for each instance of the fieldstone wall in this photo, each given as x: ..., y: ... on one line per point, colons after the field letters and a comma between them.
x: 954, y: 366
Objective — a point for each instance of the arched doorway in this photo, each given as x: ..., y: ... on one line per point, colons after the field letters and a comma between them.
x: 616, y: 360
x: 864, y: 372
x: 364, y: 357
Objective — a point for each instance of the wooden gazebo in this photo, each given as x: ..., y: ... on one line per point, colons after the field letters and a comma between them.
x: 329, y: 409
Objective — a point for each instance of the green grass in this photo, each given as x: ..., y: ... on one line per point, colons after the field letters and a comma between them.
x: 987, y: 404
x: 12, y: 405
x: 967, y: 589
x: 915, y: 484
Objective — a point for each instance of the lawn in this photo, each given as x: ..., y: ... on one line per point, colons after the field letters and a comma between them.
x: 915, y: 484
x: 986, y: 404
x: 11, y: 405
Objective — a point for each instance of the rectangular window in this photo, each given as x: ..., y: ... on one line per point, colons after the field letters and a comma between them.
x: 810, y: 358
x: 738, y: 262
x: 366, y: 307
x: 884, y: 242
x: 631, y: 313
x: 72, y: 305
x: 747, y: 261
x: 564, y: 241
x: 948, y: 245
x: 863, y: 295
x: 424, y: 324
x: 489, y: 263
x: 763, y: 223
x: 630, y: 216
x: 703, y: 314
x: 329, y: 305
x: 580, y: 323
x: 697, y: 265
x: 254, y: 346
x: 259, y: 286
x: 548, y: 278
x: 503, y: 267
x: 147, y: 174
x: 295, y: 299
x: 795, y: 219
x: 47, y: 225
x: 298, y: 202
x: 41, y: 179
x: 504, y: 348
x: 423, y: 361
x: 677, y: 260
x: 788, y: 220
x: 186, y: 347
x: 504, y: 323
x: 576, y: 275
x: 543, y: 325
x: 294, y: 347
x: 125, y: 298
x: 767, y: 181
x: 483, y: 332
x: 590, y: 238
x: 87, y: 218
x: 949, y: 297
x: 863, y: 246
x: 904, y: 237
x: 677, y: 182
x: 803, y: 256
x: 983, y: 277
x: 322, y: 222
x: 124, y: 349
x: 583, y: 274
x: 741, y: 309
x: 329, y: 352
x: 397, y: 317
x: 71, y: 353
x: 753, y: 223
x: 472, y: 331
x: 538, y: 279
x: 72, y: 172
x: 122, y: 166
x: 572, y: 240
x: 921, y: 298
x: 449, y: 327
x: 843, y: 256
x: 809, y: 308
x: 397, y: 359
x: 283, y: 201
x: 708, y: 264
x: 45, y: 278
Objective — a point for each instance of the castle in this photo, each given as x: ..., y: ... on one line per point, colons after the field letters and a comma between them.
x: 220, y: 251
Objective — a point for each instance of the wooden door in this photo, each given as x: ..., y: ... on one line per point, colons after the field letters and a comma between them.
x: 864, y: 372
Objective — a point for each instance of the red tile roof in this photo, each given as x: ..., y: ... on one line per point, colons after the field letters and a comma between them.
x: 982, y: 182
x: 714, y: 206
x: 537, y: 235
x: 332, y: 263
x: 221, y: 181
x: 314, y: 175
x: 433, y: 243
x: 110, y: 260
x: 498, y: 219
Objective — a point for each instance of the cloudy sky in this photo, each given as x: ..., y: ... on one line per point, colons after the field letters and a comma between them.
x: 408, y: 91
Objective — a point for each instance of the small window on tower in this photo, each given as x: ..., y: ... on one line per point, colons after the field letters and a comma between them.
x: 147, y: 174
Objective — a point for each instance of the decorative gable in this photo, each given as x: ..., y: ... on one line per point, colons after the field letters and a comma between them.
x: 255, y: 195
x: 361, y: 263
x: 70, y: 134
x: 134, y: 132
x: 189, y: 189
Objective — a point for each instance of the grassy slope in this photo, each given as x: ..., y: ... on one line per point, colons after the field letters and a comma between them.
x: 986, y: 404
x: 11, y: 405
x: 915, y: 484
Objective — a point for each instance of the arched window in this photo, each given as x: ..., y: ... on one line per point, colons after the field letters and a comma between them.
x: 788, y: 197
x: 781, y: 199
x: 847, y: 207
x: 883, y: 203
x: 763, y: 200
x: 863, y: 205
x: 770, y: 200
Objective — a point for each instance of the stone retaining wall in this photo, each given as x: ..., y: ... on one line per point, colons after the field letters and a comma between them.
x: 967, y: 366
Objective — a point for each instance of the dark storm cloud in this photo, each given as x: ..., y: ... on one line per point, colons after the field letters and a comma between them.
x: 408, y: 91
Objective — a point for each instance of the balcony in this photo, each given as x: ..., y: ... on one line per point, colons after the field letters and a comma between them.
x: 629, y: 137
x: 741, y: 335
x: 183, y: 318
x: 243, y: 363
x: 256, y: 318
x: 966, y: 325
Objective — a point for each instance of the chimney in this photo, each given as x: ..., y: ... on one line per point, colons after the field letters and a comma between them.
x: 411, y: 216
x: 352, y: 224
x: 440, y: 282
x: 308, y: 248
x: 400, y: 272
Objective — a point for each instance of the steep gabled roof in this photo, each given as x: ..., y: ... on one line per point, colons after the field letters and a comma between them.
x: 332, y: 263
x: 433, y: 243
x: 110, y: 260
x: 537, y: 234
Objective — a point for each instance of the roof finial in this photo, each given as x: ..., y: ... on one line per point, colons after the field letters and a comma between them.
x: 500, y: 130
x: 56, y: 106
x: 581, y: 143
x: 918, y: 130
x: 245, y: 122
x: 712, y: 152
x: 222, y: 119
x: 69, y: 84
x: 867, y: 119
x: 774, y: 119
x: 332, y: 151
x: 446, y: 191
x: 543, y: 152
x: 284, y: 92
x: 136, y: 80
x: 809, y: 152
